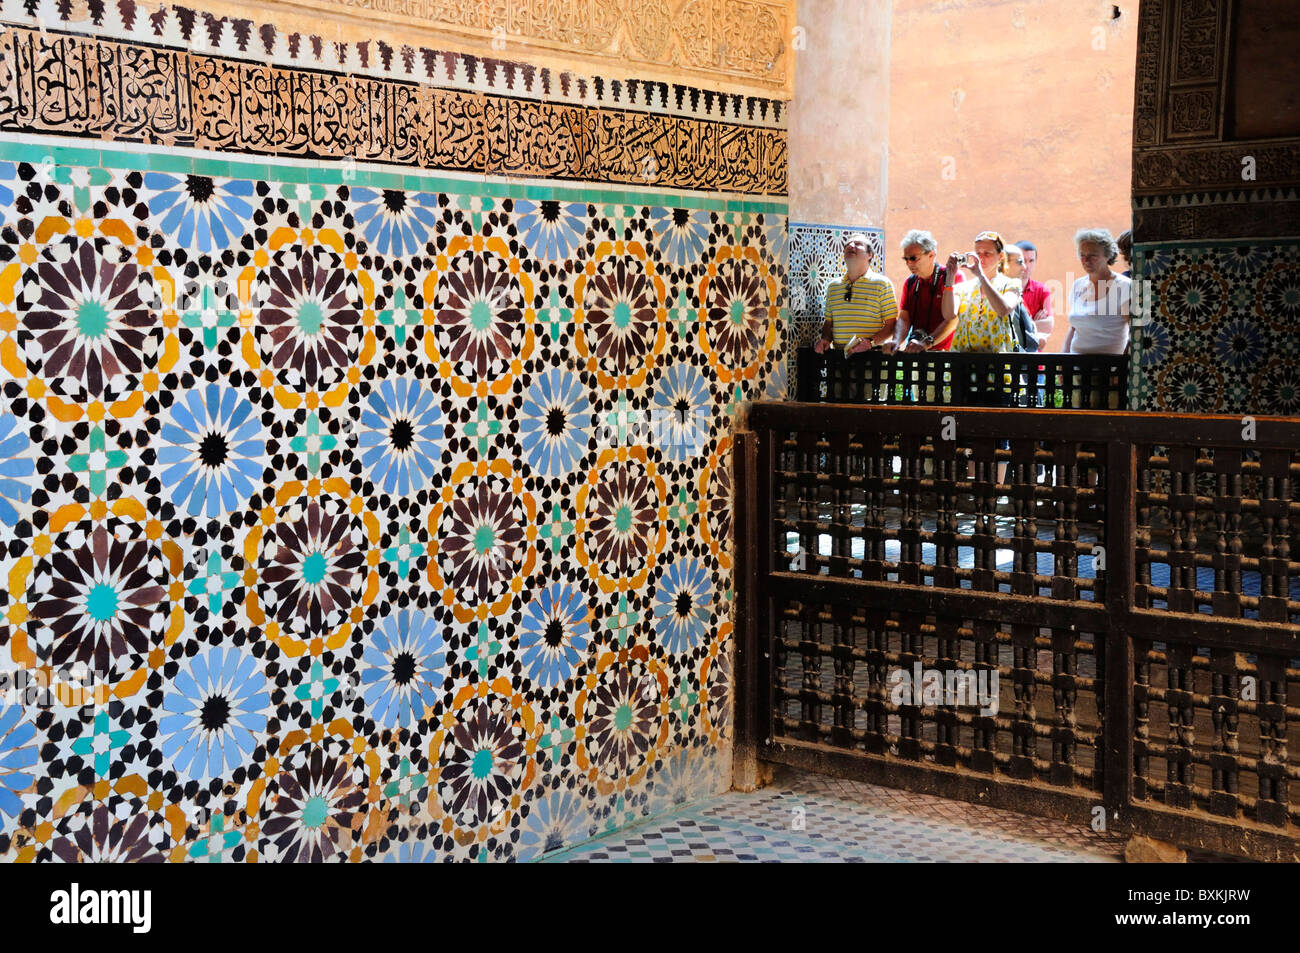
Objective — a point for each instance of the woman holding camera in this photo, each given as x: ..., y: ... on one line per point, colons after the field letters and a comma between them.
x: 981, y: 306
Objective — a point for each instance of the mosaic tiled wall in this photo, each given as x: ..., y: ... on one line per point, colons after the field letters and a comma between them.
x: 392, y: 508
x: 1221, y: 330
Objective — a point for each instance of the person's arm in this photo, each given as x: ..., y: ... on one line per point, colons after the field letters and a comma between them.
x: 1045, y: 312
x: 995, y: 300
x: 823, y: 342
x: 1070, y: 308
x: 948, y: 303
x: 944, y: 330
x: 884, y: 338
x: 1044, y: 322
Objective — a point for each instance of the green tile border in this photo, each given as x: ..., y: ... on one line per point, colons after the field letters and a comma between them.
x: 156, y: 161
x: 24, y: 152
x: 77, y: 156
x: 331, y: 173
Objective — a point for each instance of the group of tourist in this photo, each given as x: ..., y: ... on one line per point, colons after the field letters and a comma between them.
x: 985, y: 300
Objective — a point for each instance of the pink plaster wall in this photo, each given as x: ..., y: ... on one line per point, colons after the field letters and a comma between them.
x: 839, y: 122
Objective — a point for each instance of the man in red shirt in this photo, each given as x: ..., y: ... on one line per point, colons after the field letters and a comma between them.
x: 921, y: 326
x: 1037, y: 299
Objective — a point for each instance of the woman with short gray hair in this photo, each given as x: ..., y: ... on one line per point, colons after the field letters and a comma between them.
x: 1100, y: 237
x: 1099, y: 301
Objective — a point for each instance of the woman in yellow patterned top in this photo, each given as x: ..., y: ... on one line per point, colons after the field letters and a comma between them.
x: 982, y: 305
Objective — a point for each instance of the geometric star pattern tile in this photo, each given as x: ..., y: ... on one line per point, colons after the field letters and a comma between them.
x: 1217, y: 331
x: 375, y: 513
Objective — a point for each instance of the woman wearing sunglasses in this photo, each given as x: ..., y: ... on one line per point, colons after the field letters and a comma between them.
x: 860, y: 307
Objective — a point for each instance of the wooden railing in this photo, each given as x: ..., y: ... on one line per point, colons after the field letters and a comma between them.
x: 949, y: 379
x: 1126, y: 585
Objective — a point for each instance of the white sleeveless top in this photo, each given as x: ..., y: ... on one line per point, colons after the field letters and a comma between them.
x: 1100, y: 324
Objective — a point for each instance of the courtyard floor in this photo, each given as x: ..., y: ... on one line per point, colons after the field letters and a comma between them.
x: 806, y: 817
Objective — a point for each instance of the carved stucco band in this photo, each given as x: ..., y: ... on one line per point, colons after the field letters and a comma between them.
x: 1227, y: 165
x: 333, y: 47
x: 731, y: 44
x: 1223, y: 221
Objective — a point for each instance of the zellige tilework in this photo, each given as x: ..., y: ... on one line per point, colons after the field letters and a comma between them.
x: 395, y: 520
x: 1218, y: 334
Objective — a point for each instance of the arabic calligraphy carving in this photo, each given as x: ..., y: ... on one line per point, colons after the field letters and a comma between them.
x: 117, y: 90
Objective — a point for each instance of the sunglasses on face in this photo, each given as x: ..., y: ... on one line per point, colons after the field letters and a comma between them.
x: 911, y: 258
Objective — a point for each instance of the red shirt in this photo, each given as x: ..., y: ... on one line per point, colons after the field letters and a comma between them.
x: 1036, y: 298
x: 923, y: 302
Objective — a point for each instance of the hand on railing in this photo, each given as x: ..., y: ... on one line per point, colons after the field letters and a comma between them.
x: 821, y: 345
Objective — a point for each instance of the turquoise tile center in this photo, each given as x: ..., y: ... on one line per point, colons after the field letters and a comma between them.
x: 313, y: 568
x: 92, y: 319
x: 315, y: 811
x: 101, y: 602
x: 310, y: 317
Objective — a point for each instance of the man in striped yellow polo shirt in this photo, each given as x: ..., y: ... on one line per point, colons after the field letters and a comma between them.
x: 860, y: 305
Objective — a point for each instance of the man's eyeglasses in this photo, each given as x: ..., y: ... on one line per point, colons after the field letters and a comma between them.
x: 911, y: 258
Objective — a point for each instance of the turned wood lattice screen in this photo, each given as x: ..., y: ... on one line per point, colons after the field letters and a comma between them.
x: 1087, y: 609
x: 951, y: 379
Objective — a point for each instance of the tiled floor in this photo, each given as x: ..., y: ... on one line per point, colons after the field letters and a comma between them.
x: 801, y: 817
